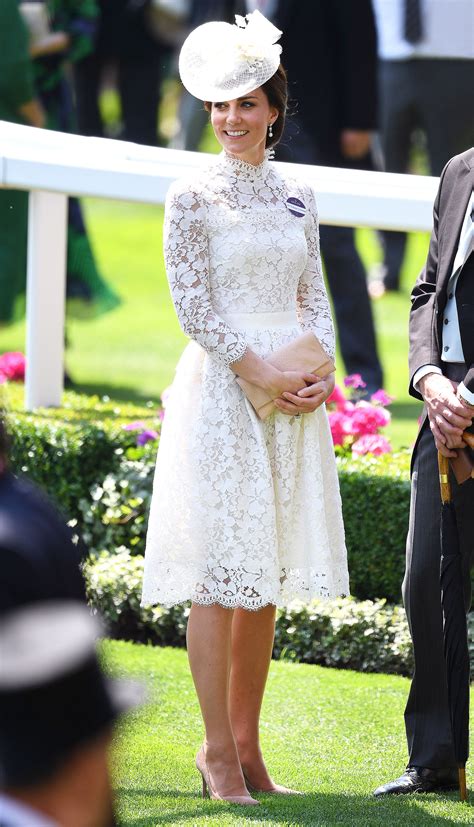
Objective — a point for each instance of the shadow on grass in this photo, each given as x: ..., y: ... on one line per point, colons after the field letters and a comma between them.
x: 119, y: 394
x: 310, y: 809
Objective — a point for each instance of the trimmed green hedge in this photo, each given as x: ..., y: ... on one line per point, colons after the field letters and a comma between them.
x: 375, y: 495
x: 83, y: 457
x: 69, y: 450
x: 368, y: 636
x: 345, y: 633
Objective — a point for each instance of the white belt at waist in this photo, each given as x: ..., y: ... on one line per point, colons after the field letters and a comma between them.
x: 255, y: 321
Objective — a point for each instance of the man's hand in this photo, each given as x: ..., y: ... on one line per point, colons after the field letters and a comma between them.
x: 448, y: 416
x: 355, y: 143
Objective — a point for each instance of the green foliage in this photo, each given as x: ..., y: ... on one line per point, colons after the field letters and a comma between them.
x: 366, y: 636
x: 64, y: 461
x: 375, y: 495
x: 114, y: 584
x: 69, y: 450
x: 370, y: 637
x: 90, y: 465
x: 116, y: 512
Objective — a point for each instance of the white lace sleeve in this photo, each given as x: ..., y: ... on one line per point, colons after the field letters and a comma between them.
x: 312, y: 300
x: 187, y: 267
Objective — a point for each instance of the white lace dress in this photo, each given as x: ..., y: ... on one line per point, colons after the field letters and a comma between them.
x: 244, y: 513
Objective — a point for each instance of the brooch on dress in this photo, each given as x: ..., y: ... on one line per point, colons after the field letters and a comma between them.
x: 295, y: 206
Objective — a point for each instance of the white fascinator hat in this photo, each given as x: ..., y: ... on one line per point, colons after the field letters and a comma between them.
x: 220, y: 61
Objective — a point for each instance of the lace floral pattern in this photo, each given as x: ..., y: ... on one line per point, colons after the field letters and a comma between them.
x: 244, y: 513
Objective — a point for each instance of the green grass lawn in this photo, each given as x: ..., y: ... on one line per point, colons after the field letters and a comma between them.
x: 333, y: 734
x: 131, y: 353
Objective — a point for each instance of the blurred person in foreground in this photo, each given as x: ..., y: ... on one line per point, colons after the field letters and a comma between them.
x: 426, y: 82
x: 57, y: 713
x: 442, y: 374
x: 330, y: 58
x: 38, y: 558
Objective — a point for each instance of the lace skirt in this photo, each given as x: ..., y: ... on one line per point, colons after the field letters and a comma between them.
x: 244, y: 513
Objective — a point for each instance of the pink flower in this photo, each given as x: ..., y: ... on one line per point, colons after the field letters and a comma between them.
x: 354, y: 381
x: 337, y: 398
x: 367, y: 418
x: 12, y: 367
x: 337, y: 423
x: 146, y: 436
x: 371, y: 444
x: 381, y: 397
x: 135, y: 426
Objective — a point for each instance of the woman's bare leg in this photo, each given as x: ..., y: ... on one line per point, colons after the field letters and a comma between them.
x: 209, y: 652
x: 252, y: 644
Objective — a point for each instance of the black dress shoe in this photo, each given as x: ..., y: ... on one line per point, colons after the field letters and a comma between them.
x: 420, y: 780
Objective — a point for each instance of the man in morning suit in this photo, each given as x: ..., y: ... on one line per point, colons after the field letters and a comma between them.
x: 442, y: 374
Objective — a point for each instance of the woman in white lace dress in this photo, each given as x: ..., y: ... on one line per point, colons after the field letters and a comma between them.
x: 246, y: 515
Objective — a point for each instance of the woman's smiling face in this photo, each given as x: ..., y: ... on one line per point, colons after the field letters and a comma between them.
x: 241, y: 125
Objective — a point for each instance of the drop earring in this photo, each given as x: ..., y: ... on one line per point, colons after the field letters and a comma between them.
x: 271, y: 151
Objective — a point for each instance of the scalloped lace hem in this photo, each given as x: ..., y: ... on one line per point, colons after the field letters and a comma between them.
x: 239, y: 602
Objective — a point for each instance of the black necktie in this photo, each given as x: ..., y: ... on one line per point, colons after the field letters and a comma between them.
x: 412, y: 28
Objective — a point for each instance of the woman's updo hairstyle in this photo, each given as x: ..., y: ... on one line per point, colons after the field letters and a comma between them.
x: 276, y: 90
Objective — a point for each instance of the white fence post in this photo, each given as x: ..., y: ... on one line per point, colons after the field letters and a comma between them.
x: 45, y: 299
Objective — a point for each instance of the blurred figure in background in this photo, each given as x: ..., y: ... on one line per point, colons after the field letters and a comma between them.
x: 330, y: 58
x: 18, y: 104
x: 29, y: 67
x: 426, y: 71
x: 57, y: 713
x: 73, y: 26
x: 128, y: 38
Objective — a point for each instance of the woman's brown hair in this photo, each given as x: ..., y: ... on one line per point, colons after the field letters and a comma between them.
x: 276, y: 90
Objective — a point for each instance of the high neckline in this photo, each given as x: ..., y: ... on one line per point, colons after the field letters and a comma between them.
x: 244, y: 168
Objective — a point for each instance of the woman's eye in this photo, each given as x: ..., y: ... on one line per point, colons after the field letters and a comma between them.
x: 248, y: 104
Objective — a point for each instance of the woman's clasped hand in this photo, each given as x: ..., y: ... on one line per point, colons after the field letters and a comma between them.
x: 308, y: 398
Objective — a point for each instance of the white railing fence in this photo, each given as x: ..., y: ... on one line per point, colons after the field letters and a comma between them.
x: 53, y: 165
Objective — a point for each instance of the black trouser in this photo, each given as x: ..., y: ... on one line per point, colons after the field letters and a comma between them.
x: 427, y: 719
x: 434, y: 95
x: 139, y: 81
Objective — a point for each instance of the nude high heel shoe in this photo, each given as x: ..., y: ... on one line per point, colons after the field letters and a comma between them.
x: 208, y: 791
x: 275, y: 789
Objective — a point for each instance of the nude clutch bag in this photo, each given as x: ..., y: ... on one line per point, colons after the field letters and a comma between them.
x: 304, y: 353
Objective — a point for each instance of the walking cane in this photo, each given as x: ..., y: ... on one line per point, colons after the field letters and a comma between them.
x: 455, y: 635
